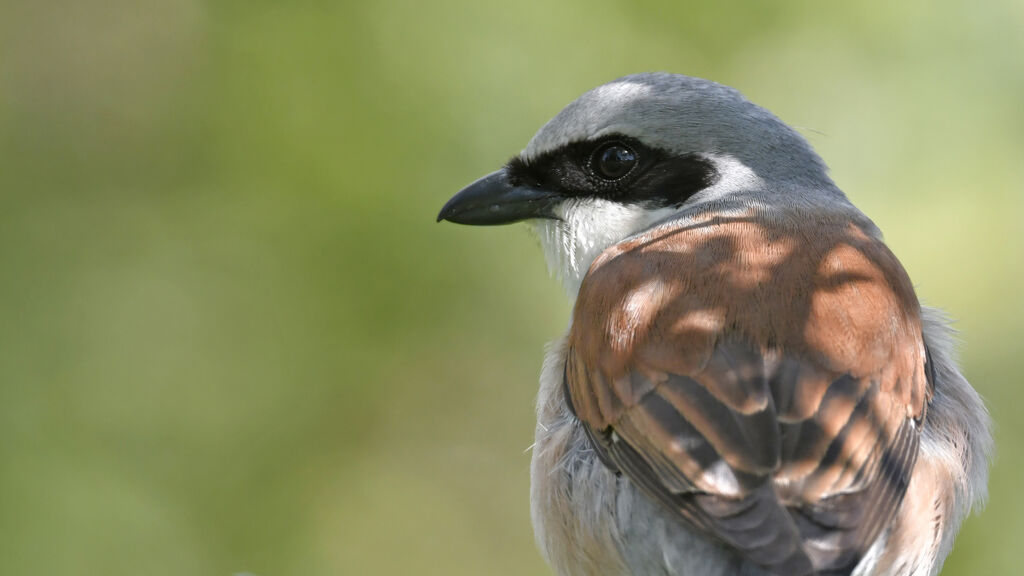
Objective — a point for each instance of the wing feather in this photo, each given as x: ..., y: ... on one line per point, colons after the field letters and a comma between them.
x: 790, y: 447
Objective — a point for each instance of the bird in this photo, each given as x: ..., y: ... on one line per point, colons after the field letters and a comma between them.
x: 749, y: 383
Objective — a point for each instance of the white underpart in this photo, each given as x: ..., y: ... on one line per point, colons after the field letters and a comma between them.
x: 590, y: 522
x: 585, y: 228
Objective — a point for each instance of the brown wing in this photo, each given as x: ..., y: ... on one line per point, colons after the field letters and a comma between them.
x: 765, y: 385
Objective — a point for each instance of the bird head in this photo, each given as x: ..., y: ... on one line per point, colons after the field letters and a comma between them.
x: 632, y: 153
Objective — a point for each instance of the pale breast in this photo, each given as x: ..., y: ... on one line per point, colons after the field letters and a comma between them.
x: 671, y: 294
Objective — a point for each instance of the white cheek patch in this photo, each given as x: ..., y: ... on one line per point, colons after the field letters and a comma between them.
x: 587, y: 227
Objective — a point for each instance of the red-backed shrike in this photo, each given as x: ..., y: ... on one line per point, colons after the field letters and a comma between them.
x: 749, y: 384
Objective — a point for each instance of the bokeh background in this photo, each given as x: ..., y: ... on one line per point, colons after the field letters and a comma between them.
x: 234, y: 340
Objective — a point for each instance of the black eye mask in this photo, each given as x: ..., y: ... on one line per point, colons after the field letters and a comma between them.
x: 617, y: 168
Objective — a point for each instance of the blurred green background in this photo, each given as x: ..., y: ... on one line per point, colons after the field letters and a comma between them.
x: 233, y: 339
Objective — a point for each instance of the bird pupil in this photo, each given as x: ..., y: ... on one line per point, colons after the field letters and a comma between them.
x: 615, y: 161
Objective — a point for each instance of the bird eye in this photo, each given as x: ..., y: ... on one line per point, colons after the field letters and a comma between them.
x: 613, y: 160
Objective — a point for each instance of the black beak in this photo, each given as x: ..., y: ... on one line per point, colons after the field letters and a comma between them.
x: 494, y: 200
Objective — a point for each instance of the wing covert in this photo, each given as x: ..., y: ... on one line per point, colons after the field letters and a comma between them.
x: 721, y: 398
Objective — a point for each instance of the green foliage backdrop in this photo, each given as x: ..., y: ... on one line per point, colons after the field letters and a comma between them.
x: 233, y: 339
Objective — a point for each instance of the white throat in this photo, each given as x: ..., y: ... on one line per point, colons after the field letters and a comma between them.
x: 588, y: 226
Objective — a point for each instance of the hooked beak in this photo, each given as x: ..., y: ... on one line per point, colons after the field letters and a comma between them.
x: 494, y: 200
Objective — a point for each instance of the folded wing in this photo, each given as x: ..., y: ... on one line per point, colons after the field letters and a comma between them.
x: 766, y: 388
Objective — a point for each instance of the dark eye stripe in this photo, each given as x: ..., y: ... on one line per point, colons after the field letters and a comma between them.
x: 633, y: 174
